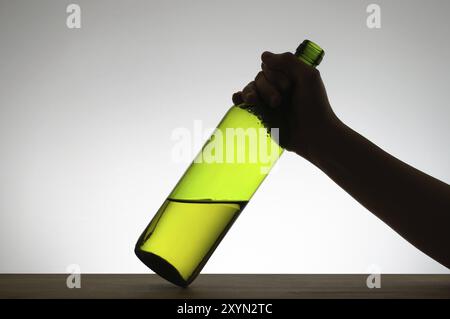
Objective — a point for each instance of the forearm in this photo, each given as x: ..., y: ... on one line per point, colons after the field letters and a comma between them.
x: 413, y: 203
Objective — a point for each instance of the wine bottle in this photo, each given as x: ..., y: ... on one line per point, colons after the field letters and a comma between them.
x: 214, y: 189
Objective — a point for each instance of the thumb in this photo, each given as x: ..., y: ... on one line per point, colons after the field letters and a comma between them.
x: 286, y: 63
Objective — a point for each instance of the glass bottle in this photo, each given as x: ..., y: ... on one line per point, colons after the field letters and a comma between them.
x: 214, y: 190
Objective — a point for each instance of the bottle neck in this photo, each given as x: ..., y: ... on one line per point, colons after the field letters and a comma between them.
x: 310, y: 53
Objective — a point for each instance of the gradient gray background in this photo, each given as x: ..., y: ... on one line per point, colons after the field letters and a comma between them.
x: 86, y: 118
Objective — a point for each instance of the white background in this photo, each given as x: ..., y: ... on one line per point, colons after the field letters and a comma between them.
x: 86, y: 118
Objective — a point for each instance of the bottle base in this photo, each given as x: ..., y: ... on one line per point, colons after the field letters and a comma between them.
x: 161, y: 267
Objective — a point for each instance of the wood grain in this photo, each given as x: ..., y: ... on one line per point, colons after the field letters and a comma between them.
x: 45, y: 286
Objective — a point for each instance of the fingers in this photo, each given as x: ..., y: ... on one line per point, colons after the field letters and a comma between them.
x: 248, y: 95
x: 260, y: 91
x: 286, y: 63
x: 278, y: 79
x: 279, y: 73
x: 237, y: 98
x: 267, y: 91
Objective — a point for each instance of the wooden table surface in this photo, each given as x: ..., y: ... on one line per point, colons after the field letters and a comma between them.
x: 224, y: 286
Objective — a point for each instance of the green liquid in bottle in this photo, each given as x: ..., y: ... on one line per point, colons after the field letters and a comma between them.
x: 185, y: 234
x: 213, y: 191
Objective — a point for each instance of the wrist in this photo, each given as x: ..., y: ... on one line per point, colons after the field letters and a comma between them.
x: 326, y: 140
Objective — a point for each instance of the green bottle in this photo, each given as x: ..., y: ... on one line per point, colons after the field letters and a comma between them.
x: 214, y: 190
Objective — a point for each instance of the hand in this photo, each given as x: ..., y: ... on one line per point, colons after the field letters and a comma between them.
x: 411, y: 202
x: 295, y: 92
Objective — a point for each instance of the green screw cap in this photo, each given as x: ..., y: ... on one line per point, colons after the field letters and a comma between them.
x: 310, y: 53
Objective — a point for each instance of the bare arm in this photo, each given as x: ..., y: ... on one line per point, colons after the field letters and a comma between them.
x: 413, y: 203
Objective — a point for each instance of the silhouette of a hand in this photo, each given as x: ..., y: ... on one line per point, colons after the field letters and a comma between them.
x: 290, y: 95
x: 294, y: 91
